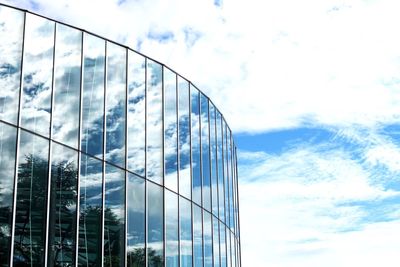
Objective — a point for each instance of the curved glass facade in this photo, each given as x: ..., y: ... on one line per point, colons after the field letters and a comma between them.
x: 107, y: 157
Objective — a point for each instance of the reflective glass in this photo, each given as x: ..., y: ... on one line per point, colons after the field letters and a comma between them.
x: 170, y: 131
x: 228, y: 247
x: 37, y: 78
x: 93, y: 95
x: 171, y: 229
x: 136, y: 113
x: 67, y: 85
x: 233, y: 251
x: 11, y: 36
x: 114, y: 217
x: 213, y: 161
x: 115, y: 104
x: 207, y: 235
x: 222, y: 244
x: 216, y: 241
x: 230, y: 179
x: 184, y: 138
x: 8, y: 138
x: 197, y: 236
x: 195, y: 134
x: 220, y: 168
x: 226, y: 172
x: 90, y: 211
x: 154, y: 168
x: 62, y: 213
x: 136, y: 221
x: 155, y: 228
x: 205, y: 152
x: 185, y: 232
x: 31, y: 205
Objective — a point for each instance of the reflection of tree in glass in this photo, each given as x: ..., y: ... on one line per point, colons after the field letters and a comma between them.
x: 137, y: 258
x: 5, y: 213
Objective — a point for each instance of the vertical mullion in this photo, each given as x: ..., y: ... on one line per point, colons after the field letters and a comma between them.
x: 79, y: 154
x: 177, y: 166
x: 145, y: 163
x: 50, y: 150
x: 201, y: 174
x: 126, y: 157
x: 14, y: 207
x: 211, y: 186
x: 163, y: 159
x: 191, y: 166
x: 238, y: 212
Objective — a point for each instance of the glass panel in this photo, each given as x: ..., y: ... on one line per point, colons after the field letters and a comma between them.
x: 136, y: 221
x: 136, y: 113
x: 114, y: 217
x: 226, y: 173
x: 11, y: 35
x: 207, y: 231
x: 171, y: 229
x: 195, y: 131
x: 115, y: 104
x: 185, y: 220
x: 222, y: 244
x: 62, y: 213
x: 197, y: 236
x: 155, y: 229
x: 38, y: 66
x: 220, y: 168
x: 170, y: 131
x: 228, y: 246
x: 67, y: 85
x: 205, y: 152
x: 8, y: 139
x: 233, y: 251
x: 154, y: 122
x: 31, y: 202
x: 184, y: 138
x: 230, y: 180
x: 90, y: 211
x: 216, y: 241
x: 213, y: 161
x: 93, y: 96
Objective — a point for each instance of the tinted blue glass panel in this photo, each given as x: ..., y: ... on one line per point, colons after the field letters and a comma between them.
x: 115, y: 104
x: 8, y: 138
x: 37, y: 78
x: 67, y: 85
x: 171, y: 229
x: 154, y: 168
x: 222, y: 244
x: 195, y: 137
x: 197, y: 236
x: 205, y: 152
x: 226, y: 154
x: 31, y: 205
x: 213, y: 161
x: 136, y: 221
x: 216, y: 241
x: 114, y: 217
x: 170, y: 131
x: 93, y: 96
x: 136, y: 113
x: 62, y: 213
x: 185, y: 232
x: 184, y: 138
x: 220, y: 168
x: 155, y: 225
x: 11, y: 36
x: 90, y: 211
x: 207, y: 236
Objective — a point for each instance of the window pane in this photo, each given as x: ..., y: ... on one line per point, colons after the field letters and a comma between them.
x: 197, y: 236
x: 213, y: 161
x: 31, y: 203
x: 67, y: 85
x: 171, y: 229
x: 208, y: 256
x: 154, y: 122
x: 195, y: 131
x: 170, y: 131
x: 220, y: 168
x: 184, y: 138
x: 115, y: 104
x: 228, y: 246
x: 8, y: 140
x: 205, y: 152
x: 11, y: 36
x: 62, y: 213
x: 233, y: 251
x: 136, y: 113
x: 114, y: 217
x: 38, y: 65
x: 222, y: 244
x: 155, y: 229
x: 90, y: 211
x: 226, y: 172
x: 93, y: 96
x: 216, y: 241
x: 136, y: 221
x: 185, y: 220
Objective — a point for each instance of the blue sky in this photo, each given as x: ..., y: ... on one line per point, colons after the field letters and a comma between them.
x: 311, y: 90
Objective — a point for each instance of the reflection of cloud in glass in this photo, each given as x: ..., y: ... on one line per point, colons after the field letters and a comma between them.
x: 11, y: 31
x: 38, y: 62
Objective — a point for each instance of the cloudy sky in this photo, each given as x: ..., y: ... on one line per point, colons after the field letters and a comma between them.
x: 311, y: 90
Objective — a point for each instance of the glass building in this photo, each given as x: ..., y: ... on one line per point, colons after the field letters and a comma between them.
x: 108, y: 157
